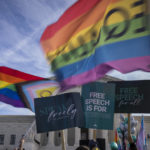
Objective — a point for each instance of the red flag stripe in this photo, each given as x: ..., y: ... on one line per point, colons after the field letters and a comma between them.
x: 19, y: 74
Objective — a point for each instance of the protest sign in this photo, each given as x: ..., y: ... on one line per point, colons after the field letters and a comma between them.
x: 58, y: 112
x: 98, y: 105
x: 132, y: 96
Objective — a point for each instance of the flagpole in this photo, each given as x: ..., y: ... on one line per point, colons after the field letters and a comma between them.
x: 63, y: 140
x: 20, y: 145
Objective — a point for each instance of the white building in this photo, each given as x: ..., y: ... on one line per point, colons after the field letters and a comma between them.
x: 12, y: 128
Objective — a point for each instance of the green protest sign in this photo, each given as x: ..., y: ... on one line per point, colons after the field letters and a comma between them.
x: 98, y: 105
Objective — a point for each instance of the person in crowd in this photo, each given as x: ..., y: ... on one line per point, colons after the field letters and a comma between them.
x: 93, y: 145
x: 132, y: 144
x: 82, y: 147
x: 95, y: 148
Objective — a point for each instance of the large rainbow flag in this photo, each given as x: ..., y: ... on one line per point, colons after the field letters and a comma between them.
x: 8, y: 91
x: 95, y: 36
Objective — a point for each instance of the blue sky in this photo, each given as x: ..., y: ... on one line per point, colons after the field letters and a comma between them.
x: 22, y: 23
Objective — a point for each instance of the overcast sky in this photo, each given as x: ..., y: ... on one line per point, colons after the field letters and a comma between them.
x: 22, y: 23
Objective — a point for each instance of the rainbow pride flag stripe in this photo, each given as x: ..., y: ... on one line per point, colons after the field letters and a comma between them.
x: 95, y: 36
x: 10, y: 96
x: 10, y: 76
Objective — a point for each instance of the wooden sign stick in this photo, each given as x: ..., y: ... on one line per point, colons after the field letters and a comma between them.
x: 63, y: 140
x: 21, y: 143
x: 94, y: 134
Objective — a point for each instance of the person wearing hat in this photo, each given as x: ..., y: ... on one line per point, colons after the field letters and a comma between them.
x: 93, y: 145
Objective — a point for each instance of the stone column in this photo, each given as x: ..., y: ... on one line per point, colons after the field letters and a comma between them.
x: 44, y: 139
x: 90, y: 134
x: 51, y: 139
x: 77, y: 136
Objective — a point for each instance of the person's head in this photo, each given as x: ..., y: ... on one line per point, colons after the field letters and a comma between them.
x: 95, y: 148
x: 133, y: 146
x: 82, y: 148
x: 92, y: 145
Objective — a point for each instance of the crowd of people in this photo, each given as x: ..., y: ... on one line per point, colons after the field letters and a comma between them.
x: 94, y: 145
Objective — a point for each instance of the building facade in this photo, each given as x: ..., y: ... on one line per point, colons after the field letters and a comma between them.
x: 12, y: 128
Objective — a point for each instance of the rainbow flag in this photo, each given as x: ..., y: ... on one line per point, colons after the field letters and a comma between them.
x: 95, y: 36
x: 10, y: 76
x: 28, y: 91
x: 10, y: 96
x: 116, y: 136
x: 141, y: 136
x: 117, y: 140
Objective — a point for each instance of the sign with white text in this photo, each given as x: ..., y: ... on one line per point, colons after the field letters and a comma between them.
x: 98, y: 105
x: 58, y: 112
x: 132, y: 96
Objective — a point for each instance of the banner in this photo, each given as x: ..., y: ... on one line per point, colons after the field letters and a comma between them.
x: 93, y: 37
x: 30, y: 90
x: 98, y: 105
x: 132, y: 96
x: 58, y: 112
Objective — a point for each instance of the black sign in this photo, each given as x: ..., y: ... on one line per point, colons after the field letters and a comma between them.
x: 58, y: 112
x: 132, y: 96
